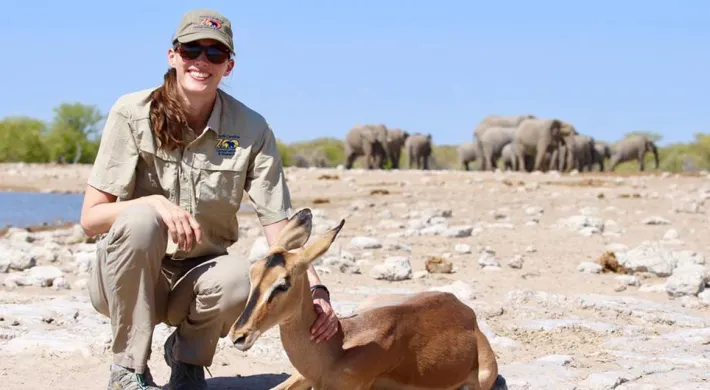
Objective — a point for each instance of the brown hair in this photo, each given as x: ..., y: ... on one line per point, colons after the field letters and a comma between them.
x: 167, y: 113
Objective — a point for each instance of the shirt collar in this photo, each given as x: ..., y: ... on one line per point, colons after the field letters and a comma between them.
x: 213, y: 123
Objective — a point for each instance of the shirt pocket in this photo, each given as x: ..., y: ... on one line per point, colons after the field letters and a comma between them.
x: 220, y: 183
x: 156, y: 173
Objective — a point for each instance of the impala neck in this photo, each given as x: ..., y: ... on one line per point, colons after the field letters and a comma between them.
x: 311, y: 359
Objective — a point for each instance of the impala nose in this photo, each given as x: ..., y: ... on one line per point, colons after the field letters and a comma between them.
x: 240, y: 342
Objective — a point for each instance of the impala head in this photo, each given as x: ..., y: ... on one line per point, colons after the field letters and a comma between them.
x: 279, y: 280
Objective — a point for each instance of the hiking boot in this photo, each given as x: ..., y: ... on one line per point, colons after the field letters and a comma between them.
x: 183, y: 376
x: 125, y: 379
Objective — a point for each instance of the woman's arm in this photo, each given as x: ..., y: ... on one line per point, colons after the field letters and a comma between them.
x: 100, y: 209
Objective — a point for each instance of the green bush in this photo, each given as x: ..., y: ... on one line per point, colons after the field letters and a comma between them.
x: 21, y: 140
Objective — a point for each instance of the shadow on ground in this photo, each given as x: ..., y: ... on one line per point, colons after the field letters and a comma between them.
x: 255, y: 382
x: 268, y: 381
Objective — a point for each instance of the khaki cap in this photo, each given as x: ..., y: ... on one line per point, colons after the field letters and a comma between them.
x: 205, y: 24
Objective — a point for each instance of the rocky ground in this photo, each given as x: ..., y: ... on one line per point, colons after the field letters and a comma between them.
x: 590, y: 281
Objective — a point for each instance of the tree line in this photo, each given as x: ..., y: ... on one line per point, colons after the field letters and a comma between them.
x: 73, y: 134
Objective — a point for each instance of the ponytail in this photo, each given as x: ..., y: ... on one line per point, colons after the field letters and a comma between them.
x: 167, y: 113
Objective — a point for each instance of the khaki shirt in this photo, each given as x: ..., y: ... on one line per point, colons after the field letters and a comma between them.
x: 236, y: 152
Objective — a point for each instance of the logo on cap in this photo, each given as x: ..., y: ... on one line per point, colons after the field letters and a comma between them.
x: 211, y: 22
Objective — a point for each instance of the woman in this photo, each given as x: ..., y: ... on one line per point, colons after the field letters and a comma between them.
x: 179, y: 157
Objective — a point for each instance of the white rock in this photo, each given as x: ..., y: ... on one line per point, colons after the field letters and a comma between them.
x: 704, y: 296
x: 589, y: 267
x: 655, y: 220
x: 458, y: 231
x: 434, y: 230
x: 394, y: 268
x: 671, y: 234
x: 688, y: 279
x: 488, y: 259
x: 648, y: 257
x: 363, y: 242
x: 258, y: 249
x: 628, y: 280
x: 84, y: 261
x: 463, y: 248
x: 577, y: 223
x: 516, y: 262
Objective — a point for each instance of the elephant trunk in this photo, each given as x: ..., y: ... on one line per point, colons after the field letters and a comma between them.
x: 654, y: 150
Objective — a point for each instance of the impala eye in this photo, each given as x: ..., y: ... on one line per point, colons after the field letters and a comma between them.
x: 283, y: 287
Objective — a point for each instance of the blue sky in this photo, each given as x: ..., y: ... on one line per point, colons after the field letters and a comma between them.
x: 317, y: 68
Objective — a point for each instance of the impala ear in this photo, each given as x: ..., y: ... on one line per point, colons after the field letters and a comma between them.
x: 297, y: 231
x: 314, y: 250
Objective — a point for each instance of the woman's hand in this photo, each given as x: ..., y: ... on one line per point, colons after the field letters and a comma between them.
x: 326, y: 324
x: 182, y: 226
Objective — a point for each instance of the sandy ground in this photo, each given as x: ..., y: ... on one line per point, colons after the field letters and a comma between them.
x: 516, y: 242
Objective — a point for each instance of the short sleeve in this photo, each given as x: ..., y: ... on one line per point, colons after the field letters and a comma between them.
x: 266, y: 181
x: 114, y: 168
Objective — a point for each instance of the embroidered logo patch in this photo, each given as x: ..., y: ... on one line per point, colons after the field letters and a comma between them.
x: 211, y: 22
x: 227, y: 145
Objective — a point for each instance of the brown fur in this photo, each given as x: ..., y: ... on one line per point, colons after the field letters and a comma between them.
x: 428, y: 340
x: 609, y: 263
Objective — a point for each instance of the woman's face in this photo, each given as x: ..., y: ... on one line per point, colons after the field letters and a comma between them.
x: 199, y: 72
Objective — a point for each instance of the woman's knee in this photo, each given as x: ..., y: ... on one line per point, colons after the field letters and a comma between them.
x: 228, y: 282
x: 140, y: 228
x: 217, y: 289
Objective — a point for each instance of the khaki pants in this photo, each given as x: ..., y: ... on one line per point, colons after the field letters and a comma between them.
x: 137, y: 287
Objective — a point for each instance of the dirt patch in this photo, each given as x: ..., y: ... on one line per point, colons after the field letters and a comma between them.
x: 328, y: 177
x: 558, y: 341
x: 379, y: 191
x: 320, y: 201
x: 579, y: 183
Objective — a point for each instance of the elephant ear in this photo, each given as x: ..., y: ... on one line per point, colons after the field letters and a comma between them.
x: 368, y: 134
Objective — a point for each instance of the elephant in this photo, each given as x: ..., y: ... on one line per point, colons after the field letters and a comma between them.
x: 562, y: 158
x: 419, y: 148
x: 369, y: 141
x: 582, y: 149
x: 535, y: 137
x: 510, y: 159
x: 468, y: 152
x: 492, y: 142
x: 496, y: 121
x: 507, y: 155
x: 633, y: 148
x: 601, y: 151
x: 395, y: 143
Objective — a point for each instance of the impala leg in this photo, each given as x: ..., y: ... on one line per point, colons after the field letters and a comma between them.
x: 295, y: 382
x: 472, y: 383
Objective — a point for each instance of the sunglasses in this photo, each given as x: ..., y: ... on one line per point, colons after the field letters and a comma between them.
x: 215, y: 54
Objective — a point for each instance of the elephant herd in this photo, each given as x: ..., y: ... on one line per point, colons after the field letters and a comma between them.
x: 526, y: 142
x: 522, y: 142
x: 377, y: 144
